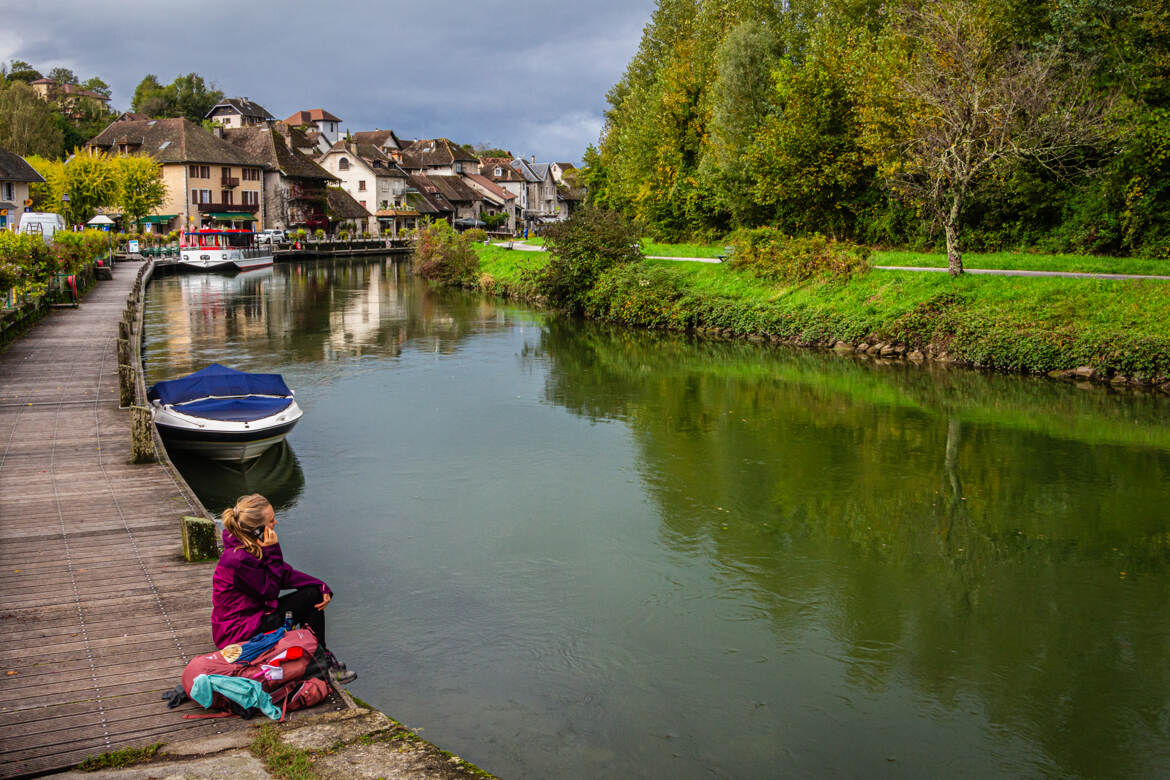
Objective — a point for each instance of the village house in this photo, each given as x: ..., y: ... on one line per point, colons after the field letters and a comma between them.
x: 15, y: 177
x: 239, y: 112
x: 321, y: 127
x: 438, y: 156
x: 496, y: 201
x: 425, y: 197
x: 500, y: 172
x: 209, y: 182
x: 464, y: 199
x: 294, y: 186
x: 371, y: 178
x: 559, y: 169
x: 345, y: 213
x: 71, y: 98
x: 385, y: 140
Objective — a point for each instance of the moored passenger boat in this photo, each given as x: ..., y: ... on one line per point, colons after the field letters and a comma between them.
x: 223, y: 250
x: 224, y: 414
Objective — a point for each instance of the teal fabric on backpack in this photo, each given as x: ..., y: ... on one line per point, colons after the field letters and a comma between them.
x: 244, y: 692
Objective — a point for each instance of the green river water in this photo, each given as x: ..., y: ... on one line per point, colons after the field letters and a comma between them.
x: 571, y: 551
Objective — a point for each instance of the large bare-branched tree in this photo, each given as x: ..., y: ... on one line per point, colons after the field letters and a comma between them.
x: 967, y: 103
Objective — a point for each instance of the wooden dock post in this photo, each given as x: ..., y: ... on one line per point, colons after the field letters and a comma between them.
x: 199, y: 539
x: 125, y: 385
x: 142, y: 435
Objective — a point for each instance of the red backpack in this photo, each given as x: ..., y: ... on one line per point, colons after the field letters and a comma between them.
x: 280, y: 670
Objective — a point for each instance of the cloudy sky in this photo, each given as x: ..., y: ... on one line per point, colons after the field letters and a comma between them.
x: 525, y: 75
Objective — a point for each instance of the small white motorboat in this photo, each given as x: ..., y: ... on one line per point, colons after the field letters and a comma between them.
x: 224, y: 414
x: 220, y: 250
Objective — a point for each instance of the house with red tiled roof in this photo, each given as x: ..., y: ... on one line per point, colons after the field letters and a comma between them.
x: 324, y: 123
x: 71, y: 98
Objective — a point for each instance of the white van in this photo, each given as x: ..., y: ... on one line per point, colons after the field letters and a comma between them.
x: 41, y: 223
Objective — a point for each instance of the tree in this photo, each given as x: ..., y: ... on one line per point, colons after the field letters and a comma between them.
x: 966, y: 104
x: 150, y: 97
x: 95, y: 84
x: 63, y: 76
x: 88, y: 179
x: 140, y: 186
x: 28, y: 125
x: 191, y: 97
x: 741, y: 102
x: 19, y: 70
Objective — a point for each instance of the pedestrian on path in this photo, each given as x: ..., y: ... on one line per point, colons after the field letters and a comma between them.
x: 251, y: 573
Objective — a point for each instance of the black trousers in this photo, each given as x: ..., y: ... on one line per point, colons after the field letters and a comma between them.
x: 300, y: 603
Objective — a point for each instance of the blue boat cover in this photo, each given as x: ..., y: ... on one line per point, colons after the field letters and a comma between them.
x: 235, y: 409
x: 217, y: 380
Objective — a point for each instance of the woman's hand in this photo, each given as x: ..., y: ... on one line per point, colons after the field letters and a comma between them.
x: 269, y: 537
x: 325, y: 599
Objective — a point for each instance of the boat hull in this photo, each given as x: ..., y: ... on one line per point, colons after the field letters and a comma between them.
x: 222, y: 259
x: 219, y: 439
x: 236, y: 446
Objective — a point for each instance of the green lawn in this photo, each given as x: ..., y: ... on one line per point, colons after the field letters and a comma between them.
x: 1013, y: 323
x: 1028, y: 262
x: 654, y: 249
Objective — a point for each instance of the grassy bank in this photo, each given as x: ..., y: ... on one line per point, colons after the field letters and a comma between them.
x: 1120, y: 329
x: 1029, y: 262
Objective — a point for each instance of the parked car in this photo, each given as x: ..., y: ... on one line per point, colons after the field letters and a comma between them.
x: 41, y: 223
x: 271, y: 236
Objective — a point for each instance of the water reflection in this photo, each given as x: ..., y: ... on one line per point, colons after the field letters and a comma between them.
x: 630, y: 554
x: 311, y: 312
x: 972, y: 534
x: 276, y: 475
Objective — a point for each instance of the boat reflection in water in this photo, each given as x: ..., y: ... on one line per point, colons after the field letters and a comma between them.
x: 276, y: 475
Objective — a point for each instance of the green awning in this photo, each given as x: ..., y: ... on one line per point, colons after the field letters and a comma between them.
x: 157, y: 219
x: 229, y: 215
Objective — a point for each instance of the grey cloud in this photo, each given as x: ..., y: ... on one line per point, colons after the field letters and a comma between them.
x: 528, y: 76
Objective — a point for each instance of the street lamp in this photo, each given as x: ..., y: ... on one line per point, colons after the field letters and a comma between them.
x: 65, y: 201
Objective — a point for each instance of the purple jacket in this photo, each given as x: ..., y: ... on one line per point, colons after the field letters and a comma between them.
x: 244, y: 589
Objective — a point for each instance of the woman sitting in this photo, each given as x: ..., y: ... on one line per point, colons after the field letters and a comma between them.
x: 251, y: 573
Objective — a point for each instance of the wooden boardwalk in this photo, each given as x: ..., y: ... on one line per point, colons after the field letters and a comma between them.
x: 99, y: 613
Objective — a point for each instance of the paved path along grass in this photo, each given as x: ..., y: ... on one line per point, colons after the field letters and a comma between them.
x: 927, y: 269
x: 100, y: 613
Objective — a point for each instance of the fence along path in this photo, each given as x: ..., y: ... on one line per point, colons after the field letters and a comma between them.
x: 98, y: 611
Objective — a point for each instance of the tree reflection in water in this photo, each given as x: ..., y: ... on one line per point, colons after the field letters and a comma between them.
x: 979, y: 535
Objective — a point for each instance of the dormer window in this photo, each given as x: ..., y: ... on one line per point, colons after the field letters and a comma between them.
x: 343, y: 164
x: 497, y: 171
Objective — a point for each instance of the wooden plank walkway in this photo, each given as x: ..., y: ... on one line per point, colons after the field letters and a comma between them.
x: 100, y: 613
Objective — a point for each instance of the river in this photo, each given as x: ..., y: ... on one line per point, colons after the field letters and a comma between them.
x: 567, y: 550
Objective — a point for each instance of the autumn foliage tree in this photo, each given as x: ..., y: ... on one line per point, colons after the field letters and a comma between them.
x: 966, y: 104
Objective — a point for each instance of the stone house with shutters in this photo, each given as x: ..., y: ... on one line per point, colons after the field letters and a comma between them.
x: 295, y: 187
x: 15, y: 177
x: 210, y: 182
x: 496, y: 200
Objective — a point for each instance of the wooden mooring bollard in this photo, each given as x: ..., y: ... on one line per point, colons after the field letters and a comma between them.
x: 142, y: 435
x: 199, y: 539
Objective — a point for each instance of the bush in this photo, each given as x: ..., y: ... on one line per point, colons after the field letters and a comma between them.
x: 494, y: 221
x: 443, y: 256
x: 769, y: 254
x: 26, y: 264
x: 581, y: 249
x: 639, y: 295
x: 475, y: 235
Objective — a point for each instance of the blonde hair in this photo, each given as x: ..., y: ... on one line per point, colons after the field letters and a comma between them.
x: 244, y: 518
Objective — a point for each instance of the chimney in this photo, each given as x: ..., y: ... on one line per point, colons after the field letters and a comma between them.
x: 532, y: 158
x: 218, y: 130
